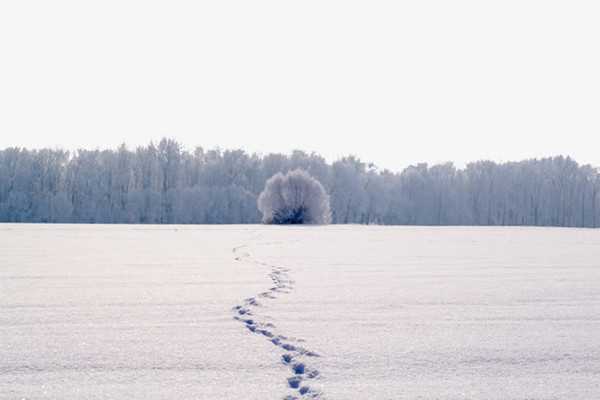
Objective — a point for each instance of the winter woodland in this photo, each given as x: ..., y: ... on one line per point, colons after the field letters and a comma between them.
x: 164, y: 183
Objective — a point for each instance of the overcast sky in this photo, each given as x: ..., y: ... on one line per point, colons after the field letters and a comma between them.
x: 393, y: 82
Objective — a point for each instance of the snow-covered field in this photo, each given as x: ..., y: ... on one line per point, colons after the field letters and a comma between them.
x: 338, y: 312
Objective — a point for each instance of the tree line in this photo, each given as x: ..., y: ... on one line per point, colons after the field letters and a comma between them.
x: 165, y: 184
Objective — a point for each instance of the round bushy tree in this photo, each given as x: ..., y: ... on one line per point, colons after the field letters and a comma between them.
x: 294, y: 198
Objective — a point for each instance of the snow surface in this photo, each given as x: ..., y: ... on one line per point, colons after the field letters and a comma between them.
x: 265, y: 312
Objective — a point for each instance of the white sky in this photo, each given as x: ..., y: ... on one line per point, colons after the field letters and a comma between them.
x: 393, y: 82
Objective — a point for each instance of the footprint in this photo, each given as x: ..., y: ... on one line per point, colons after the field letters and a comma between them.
x: 251, y: 301
x: 265, y: 332
x: 294, y: 382
x: 244, y: 311
x: 287, y: 358
x: 298, y: 368
x: 304, y: 390
x: 288, y: 347
x: 312, y: 374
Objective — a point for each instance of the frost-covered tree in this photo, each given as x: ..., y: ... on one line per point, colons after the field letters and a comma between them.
x: 294, y: 198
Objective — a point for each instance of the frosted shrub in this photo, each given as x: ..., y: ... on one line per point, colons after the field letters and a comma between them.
x: 294, y: 198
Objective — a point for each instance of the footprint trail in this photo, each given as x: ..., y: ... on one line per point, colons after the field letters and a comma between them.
x: 294, y: 356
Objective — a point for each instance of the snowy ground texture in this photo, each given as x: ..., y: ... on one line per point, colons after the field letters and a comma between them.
x: 338, y: 312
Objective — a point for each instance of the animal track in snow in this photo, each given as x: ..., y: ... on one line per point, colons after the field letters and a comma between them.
x: 294, y: 355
